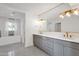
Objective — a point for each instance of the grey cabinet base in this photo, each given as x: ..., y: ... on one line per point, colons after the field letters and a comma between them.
x: 56, y: 47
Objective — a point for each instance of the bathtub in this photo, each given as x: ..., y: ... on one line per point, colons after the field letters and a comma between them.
x: 9, y: 40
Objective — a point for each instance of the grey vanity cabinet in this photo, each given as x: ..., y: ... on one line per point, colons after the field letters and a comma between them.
x: 58, y: 47
x: 71, y: 49
x: 51, y: 46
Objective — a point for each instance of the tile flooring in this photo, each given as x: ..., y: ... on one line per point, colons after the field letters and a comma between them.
x: 18, y: 50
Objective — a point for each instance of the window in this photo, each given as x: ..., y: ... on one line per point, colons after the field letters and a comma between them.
x: 11, y: 28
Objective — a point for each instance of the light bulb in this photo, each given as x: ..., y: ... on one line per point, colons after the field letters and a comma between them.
x: 76, y: 12
x: 61, y: 16
x: 68, y: 14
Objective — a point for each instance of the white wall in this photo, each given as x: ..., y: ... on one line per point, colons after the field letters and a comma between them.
x: 30, y: 18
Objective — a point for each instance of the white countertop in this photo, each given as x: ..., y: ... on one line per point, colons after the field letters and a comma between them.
x: 60, y: 36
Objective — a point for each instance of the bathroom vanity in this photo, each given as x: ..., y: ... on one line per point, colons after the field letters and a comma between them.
x: 56, y: 45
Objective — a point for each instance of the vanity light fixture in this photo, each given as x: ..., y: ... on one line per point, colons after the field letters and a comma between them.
x: 69, y: 13
x: 61, y: 16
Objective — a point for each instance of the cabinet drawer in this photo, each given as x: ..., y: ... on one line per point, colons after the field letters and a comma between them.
x: 58, y: 41
x: 71, y: 44
x: 37, y: 37
x: 68, y: 51
x: 48, y: 38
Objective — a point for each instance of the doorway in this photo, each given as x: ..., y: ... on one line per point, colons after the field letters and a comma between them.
x: 58, y: 27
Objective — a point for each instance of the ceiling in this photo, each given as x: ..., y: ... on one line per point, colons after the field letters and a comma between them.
x: 35, y: 8
x: 74, y: 4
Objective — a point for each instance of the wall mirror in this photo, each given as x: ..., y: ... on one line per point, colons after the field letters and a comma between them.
x: 57, y: 24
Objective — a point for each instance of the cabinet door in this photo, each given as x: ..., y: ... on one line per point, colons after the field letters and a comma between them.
x: 47, y: 45
x: 34, y: 40
x: 68, y: 51
x: 44, y: 43
x: 37, y: 40
x: 58, y: 48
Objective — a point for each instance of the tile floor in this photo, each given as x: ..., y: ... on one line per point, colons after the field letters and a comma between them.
x: 18, y: 50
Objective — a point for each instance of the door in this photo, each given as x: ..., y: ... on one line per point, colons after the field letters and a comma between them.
x: 58, y: 48
x: 58, y: 27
